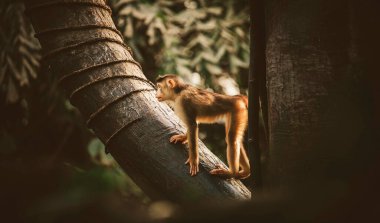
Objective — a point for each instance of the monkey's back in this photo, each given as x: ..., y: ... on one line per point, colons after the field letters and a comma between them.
x: 209, y: 106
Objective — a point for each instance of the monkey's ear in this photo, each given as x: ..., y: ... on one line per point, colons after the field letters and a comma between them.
x: 170, y: 83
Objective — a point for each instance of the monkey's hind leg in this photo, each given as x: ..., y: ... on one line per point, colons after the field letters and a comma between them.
x: 245, y: 170
x: 235, y: 127
x: 219, y: 170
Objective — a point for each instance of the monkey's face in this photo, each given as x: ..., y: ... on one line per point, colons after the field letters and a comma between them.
x: 163, y: 92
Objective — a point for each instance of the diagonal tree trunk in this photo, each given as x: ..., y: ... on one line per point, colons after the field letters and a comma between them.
x: 82, y: 47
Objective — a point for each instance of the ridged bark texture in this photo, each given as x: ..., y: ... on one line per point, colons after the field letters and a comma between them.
x: 82, y: 47
x: 319, y: 102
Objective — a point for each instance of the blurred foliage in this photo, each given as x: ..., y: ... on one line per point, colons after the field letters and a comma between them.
x: 19, y: 51
x: 96, y: 150
x: 50, y: 163
x: 186, y: 37
x: 82, y: 188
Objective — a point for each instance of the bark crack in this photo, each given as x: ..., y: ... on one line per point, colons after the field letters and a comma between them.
x: 97, y: 66
x: 74, y: 28
x: 107, y: 142
x: 103, y: 107
x: 108, y: 78
x: 91, y: 41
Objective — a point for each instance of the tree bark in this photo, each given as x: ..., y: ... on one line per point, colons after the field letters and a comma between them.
x: 83, y: 49
x: 320, y: 105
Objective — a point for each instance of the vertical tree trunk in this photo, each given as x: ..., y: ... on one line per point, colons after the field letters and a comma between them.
x: 84, y: 50
x: 319, y: 101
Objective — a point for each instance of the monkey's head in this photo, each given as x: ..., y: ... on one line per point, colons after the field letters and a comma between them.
x: 168, y: 87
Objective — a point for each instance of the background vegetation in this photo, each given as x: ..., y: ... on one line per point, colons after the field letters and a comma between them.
x: 49, y: 160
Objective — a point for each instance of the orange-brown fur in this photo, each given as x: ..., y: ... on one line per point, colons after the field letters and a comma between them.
x: 193, y: 106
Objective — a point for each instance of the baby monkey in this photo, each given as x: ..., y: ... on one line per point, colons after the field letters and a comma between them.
x: 193, y: 106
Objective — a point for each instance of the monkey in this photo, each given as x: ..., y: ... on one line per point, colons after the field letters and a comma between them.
x: 193, y: 105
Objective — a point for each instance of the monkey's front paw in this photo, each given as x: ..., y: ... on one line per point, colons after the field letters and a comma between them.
x: 178, y: 139
x: 194, y: 165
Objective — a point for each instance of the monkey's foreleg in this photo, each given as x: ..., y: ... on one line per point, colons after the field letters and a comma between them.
x: 192, y: 136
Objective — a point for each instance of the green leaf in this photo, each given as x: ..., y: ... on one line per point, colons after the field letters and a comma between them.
x: 95, y: 146
x: 182, y: 70
x: 209, y: 25
x: 128, y: 32
x: 14, y: 69
x: 12, y: 93
x: 126, y: 11
x: 214, y: 10
x: 237, y: 62
x: 32, y: 72
x: 213, y: 69
x: 210, y: 57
